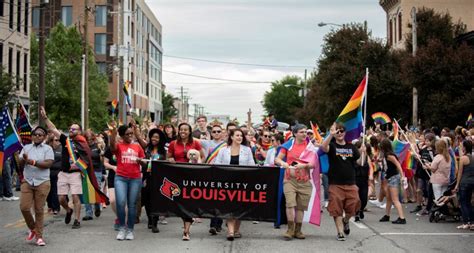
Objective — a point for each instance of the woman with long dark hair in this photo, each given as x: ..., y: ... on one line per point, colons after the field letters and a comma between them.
x: 177, y: 152
x: 236, y: 153
x: 394, y: 176
x: 465, y: 184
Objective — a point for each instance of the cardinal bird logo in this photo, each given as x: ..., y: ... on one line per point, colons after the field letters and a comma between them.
x: 169, y: 189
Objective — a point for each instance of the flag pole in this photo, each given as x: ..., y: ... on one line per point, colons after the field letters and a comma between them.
x: 365, y: 110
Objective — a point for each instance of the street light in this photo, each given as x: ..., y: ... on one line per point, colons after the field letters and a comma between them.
x: 321, y: 24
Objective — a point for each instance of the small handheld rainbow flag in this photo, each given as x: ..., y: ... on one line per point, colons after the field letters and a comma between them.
x: 114, y: 106
x: 316, y: 135
x: 469, y: 119
x: 126, y: 88
x: 381, y: 118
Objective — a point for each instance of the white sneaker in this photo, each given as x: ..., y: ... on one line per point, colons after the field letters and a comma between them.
x: 375, y: 202
x: 14, y: 198
x: 163, y: 220
x: 326, y: 203
x: 121, y: 234
x: 255, y: 222
x: 129, y: 235
x: 383, y: 206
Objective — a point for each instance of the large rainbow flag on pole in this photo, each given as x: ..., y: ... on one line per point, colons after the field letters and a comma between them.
x: 351, y: 116
x: 126, y: 90
x: 401, y: 148
x: 22, y: 124
x: 9, y: 139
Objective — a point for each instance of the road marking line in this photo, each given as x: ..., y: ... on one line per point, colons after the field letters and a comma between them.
x: 408, y: 233
x: 359, y: 224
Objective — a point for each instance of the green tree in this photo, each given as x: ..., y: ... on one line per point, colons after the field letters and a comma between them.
x: 283, y: 99
x: 168, y: 107
x: 7, y: 87
x: 63, y: 54
x: 346, y: 54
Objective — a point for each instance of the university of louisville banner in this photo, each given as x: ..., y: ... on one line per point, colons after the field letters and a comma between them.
x: 204, y: 190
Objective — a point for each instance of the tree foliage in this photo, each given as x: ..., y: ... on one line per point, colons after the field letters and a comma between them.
x: 168, y: 107
x: 63, y: 54
x: 283, y: 99
x: 345, y: 56
x: 7, y: 87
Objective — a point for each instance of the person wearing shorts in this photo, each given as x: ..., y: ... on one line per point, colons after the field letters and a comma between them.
x: 296, y: 185
x: 69, y: 179
x: 343, y: 192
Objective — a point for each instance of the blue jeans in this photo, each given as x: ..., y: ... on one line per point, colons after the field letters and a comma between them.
x: 6, y: 181
x: 126, y: 193
x: 465, y: 194
x: 89, y: 211
x: 325, y: 183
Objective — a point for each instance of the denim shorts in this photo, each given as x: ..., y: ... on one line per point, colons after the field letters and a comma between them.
x: 394, y: 181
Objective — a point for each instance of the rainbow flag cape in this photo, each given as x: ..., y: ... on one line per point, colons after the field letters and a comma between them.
x: 213, y: 154
x: 22, y: 124
x: 316, y: 135
x: 126, y: 91
x: 351, y: 116
x: 381, y: 118
x: 9, y: 139
x: 401, y: 148
x: 91, y: 193
x: 114, y: 106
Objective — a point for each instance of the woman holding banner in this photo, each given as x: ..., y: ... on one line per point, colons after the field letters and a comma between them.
x: 297, y: 156
x: 236, y: 153
x: 177, y: 152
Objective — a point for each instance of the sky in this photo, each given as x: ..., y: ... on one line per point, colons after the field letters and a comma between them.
x: 262, y: 32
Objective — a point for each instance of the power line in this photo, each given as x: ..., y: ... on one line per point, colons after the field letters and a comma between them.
x: 240, y: 63
x: 215, y: 78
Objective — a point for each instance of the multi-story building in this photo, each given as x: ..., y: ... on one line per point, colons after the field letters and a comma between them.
x: 399, y: 15
x: 129, y: 24
x: 15, y: 18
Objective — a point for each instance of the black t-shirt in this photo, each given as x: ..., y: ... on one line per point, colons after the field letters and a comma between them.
x: 95, y: 156
x: 113, y: 161
x: 56, y: 167
x: 391, y: 168
x: 362, y: 172
x: 65, y: 163
x: 426, y: 155
x: 342, y: 162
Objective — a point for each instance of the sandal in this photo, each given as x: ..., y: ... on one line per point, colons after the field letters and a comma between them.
x: 237, y: 235
x: 464, y: 226
x: 230, y: 236
x: 186, y: 236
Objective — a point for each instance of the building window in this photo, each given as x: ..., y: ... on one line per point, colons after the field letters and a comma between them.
x: 2, y: 3
x: 102, y: 67
x: 18, y: 16
x: 10, y: 18
x: 10, y: 61
x: 390, y: 32
x: 100, y: 43
x: 128, y: 26
x: 35, y: 17
x: 18, y: 65
x: 100, y: 15
x: 133, y: 30
x: 25, y: 72
x: 1, y: 58
x: 27, y: 8
x: 66, y: 15
x: 400, y: 26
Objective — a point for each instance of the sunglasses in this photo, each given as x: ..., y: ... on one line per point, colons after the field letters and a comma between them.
x: 216, y: 132
x: 266, y: 136
x: 340, y: 131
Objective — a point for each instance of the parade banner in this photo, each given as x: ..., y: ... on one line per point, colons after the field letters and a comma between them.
x: 225, y: 191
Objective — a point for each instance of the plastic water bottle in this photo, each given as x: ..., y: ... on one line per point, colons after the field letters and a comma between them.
x: 405, y: 183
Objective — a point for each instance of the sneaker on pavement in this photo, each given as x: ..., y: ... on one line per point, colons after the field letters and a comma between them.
x: 213, y: 231
x: 97, y: 212
x: 417, y: 209
x: 399, y: 221
x: 163, y: 220
x: 67, y: 220
x: 375, y: 202
x: 326, y: 203
x: 385, y: 218
x: 40, y: 242
x: 76, y: 224
x: 86, y: 218
x: 121, y: 234
x: 255, y: 222
x: 12, y: 198
x: 129, y: 235
x: 31, y: 236
x: 347, y: 229
x: 357, y: 219
x: 340, y: 237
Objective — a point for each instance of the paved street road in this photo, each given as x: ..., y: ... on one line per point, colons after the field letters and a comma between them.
x: 370, y: 236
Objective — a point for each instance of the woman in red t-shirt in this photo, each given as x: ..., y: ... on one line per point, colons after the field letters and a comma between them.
x: 177, y: 152
x: 128, y: 176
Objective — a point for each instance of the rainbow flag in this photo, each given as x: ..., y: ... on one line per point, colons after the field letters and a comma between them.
x: 9, y: 139
x: 401, y: 148
x: 351, y: 116
x: 469, y: 119
x: 126, y: 88
x: 381, y: 118
x: 114, y: 106
x: 316, y: 135
x: 91, y: 193
x: 409, y: 162
x: 213, y: 154
x: 22, y: 124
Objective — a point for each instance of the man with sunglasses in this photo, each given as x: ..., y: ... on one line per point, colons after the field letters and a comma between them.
x: 343, y: 192
x: 69, y: 179
x: 36, y: 158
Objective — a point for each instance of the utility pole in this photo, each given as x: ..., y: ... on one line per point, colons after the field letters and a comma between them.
x: 305, y: 88
x: 415, y: 91
x: 86, y: 67
x: 41, y: 86
x: 83, y: 91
